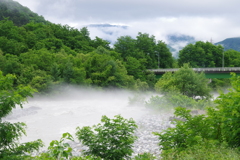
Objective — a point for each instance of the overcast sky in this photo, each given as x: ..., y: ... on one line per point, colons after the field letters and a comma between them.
x: 203, y: 19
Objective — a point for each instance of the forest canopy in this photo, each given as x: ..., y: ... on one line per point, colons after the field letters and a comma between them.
x: 37, y: 55
x: 48, y: 54
x: 45, y: 54
x: 41, y: 54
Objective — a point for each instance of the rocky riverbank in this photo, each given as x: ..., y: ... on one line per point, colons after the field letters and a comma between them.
x: 147, y: 141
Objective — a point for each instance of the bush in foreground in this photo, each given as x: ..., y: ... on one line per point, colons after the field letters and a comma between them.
x: 113, y: 139
x: 218, y: 127
x: 10, y: 133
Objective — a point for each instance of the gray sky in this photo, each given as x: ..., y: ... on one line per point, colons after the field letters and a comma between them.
x: 203, y: 19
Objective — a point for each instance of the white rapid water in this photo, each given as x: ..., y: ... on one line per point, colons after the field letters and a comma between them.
x: 48, y: 117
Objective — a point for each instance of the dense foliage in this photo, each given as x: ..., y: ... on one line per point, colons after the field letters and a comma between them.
x: 218, y: 127
x: 45, y: 54
x: 145, y: 48
x: 113, y: 139
x: 201, y: 54
x: 41, y: 54
x: 185, y: 81
x: 171, y: 100
x: 227, y: 113
x: 231, y: 58
x: 10, y: 133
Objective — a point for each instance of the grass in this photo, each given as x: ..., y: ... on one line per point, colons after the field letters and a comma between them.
x: 200, y: 152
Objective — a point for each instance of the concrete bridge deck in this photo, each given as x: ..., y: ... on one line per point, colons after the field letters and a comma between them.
x: 220, y: 72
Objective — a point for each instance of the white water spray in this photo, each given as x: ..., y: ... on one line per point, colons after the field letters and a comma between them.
x: 48, y: 117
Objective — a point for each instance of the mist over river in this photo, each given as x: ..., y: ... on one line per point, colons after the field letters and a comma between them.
x: 47, y: 117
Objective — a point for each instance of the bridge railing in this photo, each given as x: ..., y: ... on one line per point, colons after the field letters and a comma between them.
x: 218, y: 69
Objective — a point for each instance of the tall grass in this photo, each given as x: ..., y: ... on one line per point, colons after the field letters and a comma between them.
x: 200, y: 152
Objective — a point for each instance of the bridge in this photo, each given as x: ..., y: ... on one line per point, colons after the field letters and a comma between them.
x: 221, y: 72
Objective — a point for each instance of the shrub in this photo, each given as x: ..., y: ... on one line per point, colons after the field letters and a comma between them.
x: 113, y: 139
x: 136, y: 100
x: 228, y: 113
x: 189, y: 130
x: 186, y: 82
x: 219, y: 126
x: 144, y: 156
x: 172, y: 100
x: 205, y: 151
x: 60, y: 149
x: 10, y: 133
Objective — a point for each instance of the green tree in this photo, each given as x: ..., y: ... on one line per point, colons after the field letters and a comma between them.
x: 2, y: 60
x: 53, y: 43
x: 68, y: 72
x: 185, y: 81
x: 40, y: 81
x: 147, y: 45
x: 164, y: 56
x: 231, y: 58
x: 150, y: 79
x: 6, y: 26
x: 31, y: 39
x: 100, y: 42
x: 60, y: 149
x: 126, y: 45
x: 145, y: 49
x: 79, y: 76
x: 12, y: 65
x: 134, y: 68
x: 10, y: 133
x: 26, y: 76
x: 218, y: 127
x: 40, y: 59
x: 189, y: 130
x: 105, y: 71
x: 55, y: 72
x: 227, y: 113
x: 201, y: 54
x: 113, y: 139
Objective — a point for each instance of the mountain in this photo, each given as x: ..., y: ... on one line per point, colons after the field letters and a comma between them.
x: 17, y: 13
x: 230, y: 43
x: 176, y: 42
x: 107, y: 26
x: 176, y: 38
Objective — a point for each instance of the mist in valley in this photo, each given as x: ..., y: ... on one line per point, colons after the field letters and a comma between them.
x: 48, y: 117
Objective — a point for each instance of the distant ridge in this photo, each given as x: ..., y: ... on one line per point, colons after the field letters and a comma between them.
x: 230, y: 43
x: 176, y: 42
x: 106, y: 25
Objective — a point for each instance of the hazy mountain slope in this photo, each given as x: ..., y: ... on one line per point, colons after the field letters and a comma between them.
x: 230, y: 43
x: 19, y: 14
x: 177, y: 41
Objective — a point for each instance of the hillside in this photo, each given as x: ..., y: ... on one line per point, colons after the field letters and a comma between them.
x: 17, y: 13
x: 176, y: 42
x: 230, y: 43
x: 44, y: 55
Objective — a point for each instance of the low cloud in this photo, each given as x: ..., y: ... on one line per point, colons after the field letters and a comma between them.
x: 204, y: 20
x: 204, y: 29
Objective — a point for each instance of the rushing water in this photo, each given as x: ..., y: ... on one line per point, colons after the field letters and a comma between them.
x: 48, y: 117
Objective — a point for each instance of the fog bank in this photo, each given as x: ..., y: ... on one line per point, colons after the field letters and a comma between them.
x: 47, y: 117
